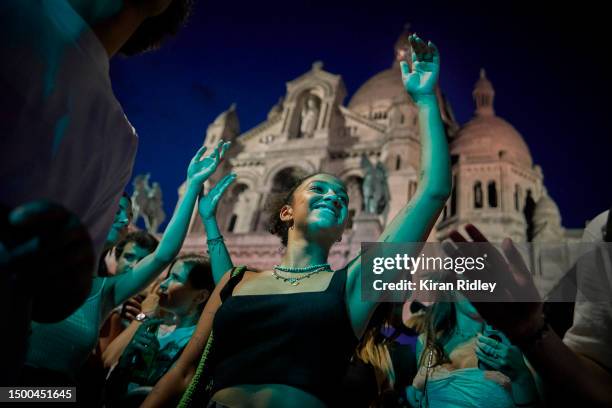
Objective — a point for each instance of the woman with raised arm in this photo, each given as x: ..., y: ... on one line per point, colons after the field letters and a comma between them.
x: 58, y: 350
x: 286, y: 334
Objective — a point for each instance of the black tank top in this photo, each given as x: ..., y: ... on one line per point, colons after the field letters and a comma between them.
x: 304, y: 340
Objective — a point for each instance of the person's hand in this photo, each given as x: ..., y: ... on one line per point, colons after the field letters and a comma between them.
x: 422, y: 79
x: 515, y: 307
x: 505, y: 358
x: 151, y: 302
x: 200, y: 168
x: 132, y: 307
x: 142, y: 341
x: 143, y: 338
x: 413, y: 396
x: 207, y: 206
x: 110, y: 259
x: 49, y: 253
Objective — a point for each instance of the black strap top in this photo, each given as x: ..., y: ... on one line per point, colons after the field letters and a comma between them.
x: 304, y: 340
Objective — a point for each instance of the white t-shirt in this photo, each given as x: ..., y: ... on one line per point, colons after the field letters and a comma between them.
x: 591, y: 333
x: 63, y: 135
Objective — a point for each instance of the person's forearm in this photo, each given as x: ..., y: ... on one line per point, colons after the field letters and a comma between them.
x: 220, y: 258
x: 414, y: 222
x: 130, y: 283
x: 169, y: 388
x: 175, y: 232
x: 115, y: 349
x: 567, y: 372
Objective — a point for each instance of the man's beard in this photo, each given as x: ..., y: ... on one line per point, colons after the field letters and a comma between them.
x: 154, y: 30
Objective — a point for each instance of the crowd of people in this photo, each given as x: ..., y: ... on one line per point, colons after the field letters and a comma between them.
x: 130, y: 321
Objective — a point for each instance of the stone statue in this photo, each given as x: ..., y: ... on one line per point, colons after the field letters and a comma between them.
x: 139, y: 196
x: 310, y: 116
x: 375, y: 187
x: 155, y: 214
x: 147, y: 202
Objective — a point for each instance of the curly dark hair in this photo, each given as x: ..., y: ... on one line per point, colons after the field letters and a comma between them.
x: 154, y: 30
x: 276, y: 202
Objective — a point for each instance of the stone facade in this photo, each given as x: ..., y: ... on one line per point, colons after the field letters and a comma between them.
x: 496, y: 185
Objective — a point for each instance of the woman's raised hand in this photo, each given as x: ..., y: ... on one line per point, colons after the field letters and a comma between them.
x: 422, y: 79
x: 208, y: 202
x: 200, y: 168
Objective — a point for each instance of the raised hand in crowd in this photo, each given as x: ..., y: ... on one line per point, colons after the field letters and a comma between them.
x: 207, y: 207
x: 514, y: 306
x: 574, y: 376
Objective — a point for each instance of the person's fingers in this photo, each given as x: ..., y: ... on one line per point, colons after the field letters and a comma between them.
x: 488, y: 341
x: 450, y: 249
x: 421, y: 47
x: 199, y: 154
x: 413, y: 49
x: 405, y: 68
x: 215, y: 154
x: 434, y: 52
x: 131, y: 312
x: 475, y: 233
x: 520, y: 269
x: 222, y: 186
x: 456, y: 236
x: 491, y: 362
x: 224, y: 148
x: 486, y: 348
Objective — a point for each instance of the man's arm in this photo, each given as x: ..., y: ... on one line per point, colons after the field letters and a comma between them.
x: 569, y: 372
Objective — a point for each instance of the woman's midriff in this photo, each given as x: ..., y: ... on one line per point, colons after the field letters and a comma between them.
x: 266, y: 396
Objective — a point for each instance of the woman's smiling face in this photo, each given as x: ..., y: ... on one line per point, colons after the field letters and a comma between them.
x: 319, y: 205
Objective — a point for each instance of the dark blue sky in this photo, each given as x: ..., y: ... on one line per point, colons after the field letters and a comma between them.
x: 547, y: 66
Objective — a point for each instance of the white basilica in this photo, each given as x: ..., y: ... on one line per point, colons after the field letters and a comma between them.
x: 496, y: 185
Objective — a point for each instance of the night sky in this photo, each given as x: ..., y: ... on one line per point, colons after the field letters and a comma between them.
x: 547, y: 66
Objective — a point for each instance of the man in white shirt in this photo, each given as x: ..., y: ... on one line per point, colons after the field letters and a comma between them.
x: 591, y: 333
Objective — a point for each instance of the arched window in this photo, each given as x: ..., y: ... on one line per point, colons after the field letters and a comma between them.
x: 398, y: 162
x: 232, y: 223
x: 517, y: 197
x: 528, y: 210
x: 478, y: 195
x: 492, y: 194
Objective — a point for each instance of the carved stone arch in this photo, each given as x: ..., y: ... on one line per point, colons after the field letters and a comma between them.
x: 247, y: 177
x: 321, y: 89
x: 306, y: 166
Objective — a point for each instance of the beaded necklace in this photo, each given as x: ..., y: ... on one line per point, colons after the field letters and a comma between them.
x: 306, y: 272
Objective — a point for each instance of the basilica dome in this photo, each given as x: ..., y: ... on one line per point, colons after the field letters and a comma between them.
x: 385, y: 87
x: 487, y: 135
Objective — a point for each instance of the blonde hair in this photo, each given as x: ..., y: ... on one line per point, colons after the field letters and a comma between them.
x: 375, y: 352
